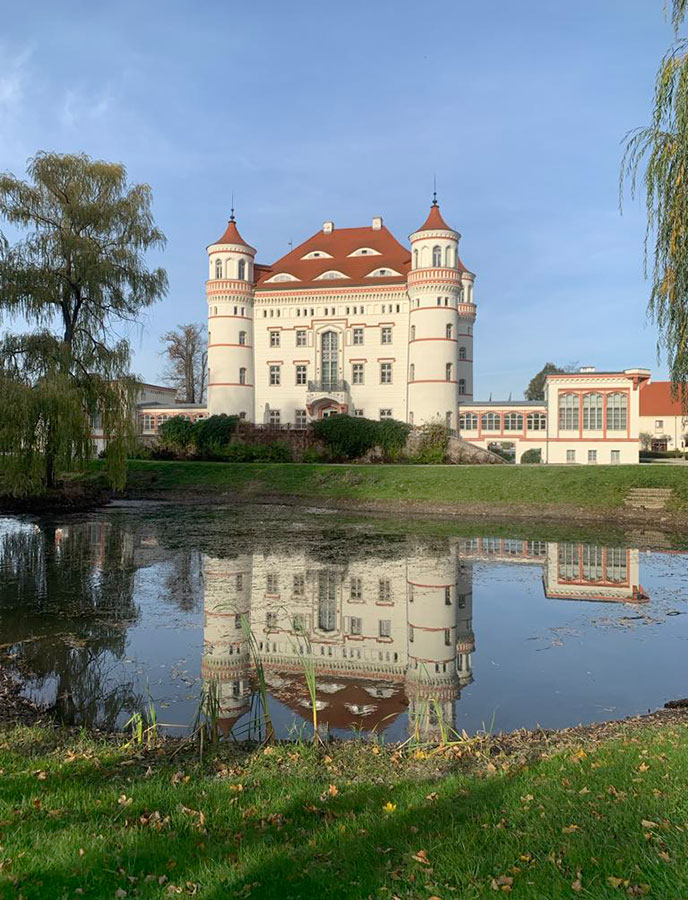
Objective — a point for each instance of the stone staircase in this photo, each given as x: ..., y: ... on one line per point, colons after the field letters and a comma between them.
x: 648, y: 498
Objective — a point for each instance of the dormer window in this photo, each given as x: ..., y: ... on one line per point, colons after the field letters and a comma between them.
x: 282, y: 276
x: 365, y: 251
x: 317, y: 254
x: 382, y: 273
x: 331, y: 273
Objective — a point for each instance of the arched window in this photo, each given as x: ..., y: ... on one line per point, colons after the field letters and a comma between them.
x: 329, y: 360
x: 513, y: 422
x: 462, y: 352
x: 415, y: 258
x: 617, y: 412
x: 241, y: 272
x: 436, y: 256
x: 537, y: 421
x: 568, y: 412
x: 462, y: 385
x: 448, y: 372
x: 242, y: 338
x: 491, y: 421
x: 218, y: 268
x: 448, y: 257
x: 413, y: 332
x: 450, y: 332
x: 468, y: 421
x: 412, y: 372
x: 242, y: 376
x: 592, y: 412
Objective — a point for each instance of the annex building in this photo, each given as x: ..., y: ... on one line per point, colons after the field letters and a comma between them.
x: 352, y: 321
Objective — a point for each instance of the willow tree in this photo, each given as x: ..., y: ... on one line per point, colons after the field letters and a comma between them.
x: 77, y: 276
x: 657, y: 155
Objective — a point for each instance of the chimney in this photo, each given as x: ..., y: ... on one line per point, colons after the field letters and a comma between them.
x: 328, y: 227
x: 377, y: 223
x: 586, y: 370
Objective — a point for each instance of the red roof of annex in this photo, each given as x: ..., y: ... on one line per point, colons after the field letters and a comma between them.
x: 656, y: 400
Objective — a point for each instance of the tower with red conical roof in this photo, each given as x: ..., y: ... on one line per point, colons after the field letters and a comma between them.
x: 230, y: 295
x: 441, y: 319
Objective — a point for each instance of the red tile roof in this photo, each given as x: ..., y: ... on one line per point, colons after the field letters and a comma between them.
x: 656, y: 400
x: 339, y: 243
x: 231, y: 235
x: 434, y: 220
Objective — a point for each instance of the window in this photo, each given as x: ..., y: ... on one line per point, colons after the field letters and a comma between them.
x: 242, y: 270
x: 300, y: 338
x: 327, y: 601
x: 386, y: 373
x: 415, y: 259
x: 462, y: 353
x: 218, y: 268
x: 386, y: 335
x: 659, y: 424
x: 447, y: 637
x: 271, y: 620
x: 275, y: 375
x: 147, y: 422
x: 330, y: 359
x: 358, y: 336
x: 275, y: 417
x: 242, y: 376
x: 300, y: 418
x: 592, y: 456
x: 537, y: 421
x: 356, y: 589
x: 491, y: 422
x: 462, y: 385
x: 616, y: 457
x: 272, y: 583
x: 570, y: 456
x: 412, y: 372
x: 468, y: 421
x: 617, y: 412
x: 413, y: 332
x: 300, y: 374
x: 385, y: 628
x: 384, y: 414
x: 592, y: 412
x: 240, y: 581
x: 448, y: 372
x: 410, y: 636
x: 568, y: 412
x: 385, y: 591
x: 448, y: 420
x: 299, y: 585
x: 357, y: 373
x: 274, y: 338
x: 242, y: 338
x: 436, y: 256
x: 356, y: 625
x: 513, y: 422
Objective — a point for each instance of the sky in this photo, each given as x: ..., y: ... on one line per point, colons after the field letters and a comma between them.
x: 342, y: 111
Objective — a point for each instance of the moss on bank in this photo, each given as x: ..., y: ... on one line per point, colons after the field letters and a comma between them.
x: 597, y: 815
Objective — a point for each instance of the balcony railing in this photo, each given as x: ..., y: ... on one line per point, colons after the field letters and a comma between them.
x: 326, y: 386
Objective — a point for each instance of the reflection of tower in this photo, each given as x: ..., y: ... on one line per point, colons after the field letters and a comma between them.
x: 226, y: 657
x: 439, y: 622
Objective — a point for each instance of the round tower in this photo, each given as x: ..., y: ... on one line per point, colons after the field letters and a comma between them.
x: 229, y: 291
x: 432, y: 676
x: 441, y: 317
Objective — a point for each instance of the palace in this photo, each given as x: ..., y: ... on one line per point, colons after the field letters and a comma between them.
x: 352, y: 321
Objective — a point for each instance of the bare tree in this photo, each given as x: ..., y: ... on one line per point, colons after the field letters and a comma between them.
x: 186, y: 357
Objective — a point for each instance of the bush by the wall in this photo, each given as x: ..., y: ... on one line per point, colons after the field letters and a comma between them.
x: 347, y: 437
x: 392, y: 437
x: 433, y: 444
x: 531, y: 456
x: 212, y: 435
x: 278, y: 451
x: 663, y: 454
x: 176, y: 434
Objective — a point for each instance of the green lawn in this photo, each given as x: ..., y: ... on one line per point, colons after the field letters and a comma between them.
x: 580, y: 486
x: 356, y: 821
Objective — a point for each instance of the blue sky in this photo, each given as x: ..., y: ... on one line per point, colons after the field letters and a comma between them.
x: 313, y: 111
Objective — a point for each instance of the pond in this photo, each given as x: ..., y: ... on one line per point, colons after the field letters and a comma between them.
x: 409, y: 629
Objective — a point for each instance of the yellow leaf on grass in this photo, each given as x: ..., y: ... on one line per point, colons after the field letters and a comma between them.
x: 569, y: 829
x: 333, y: 790
x: 646, y: 823
x: 577, y: 885
x: 389, y: 807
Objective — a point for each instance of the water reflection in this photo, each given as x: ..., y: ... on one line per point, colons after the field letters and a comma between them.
x: 97, y: 613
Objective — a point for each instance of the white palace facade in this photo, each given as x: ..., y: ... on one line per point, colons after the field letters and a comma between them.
x: 352, y: 321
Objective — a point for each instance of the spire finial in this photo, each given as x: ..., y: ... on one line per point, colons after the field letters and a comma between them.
x: 231, y: 215
x: 434, y: 190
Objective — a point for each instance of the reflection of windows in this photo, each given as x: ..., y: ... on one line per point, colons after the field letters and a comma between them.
x: 617, y: 565
x: 356, y: 589
x: 462, y: 601
x: 299, y: 584
x: 447, y: 596
x: 327, y: 601
x: 385, y: 628
x: 447, y: 637
x: 410, y: 634
x: 568, y: 561
x: 239, y: 581
x: 385, y: 591
x: 592, y: 562
x: 237, y: 621
x: 356, y: 625
x: 272, y: 583
x: 298, y: 623
x: 271, y: 620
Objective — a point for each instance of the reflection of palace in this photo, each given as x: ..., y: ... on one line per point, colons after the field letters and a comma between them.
x: 384, y: 634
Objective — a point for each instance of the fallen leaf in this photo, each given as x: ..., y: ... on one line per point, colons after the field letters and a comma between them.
x: 389, y: 807
x: 577, y: 885
x: 333, y: 790
x: 569, y: 829
x: 646, y: 823
x: 422, y: 857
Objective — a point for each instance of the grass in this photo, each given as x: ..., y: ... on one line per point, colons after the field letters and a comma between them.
x: 585, y: 487
x: 607, y: 819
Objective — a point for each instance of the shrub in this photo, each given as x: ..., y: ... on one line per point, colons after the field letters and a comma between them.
x: 392, y: 437
x: 531, y: 456
x: 661, y: 454
x: 275, y: 452
x: 433, y: 444
x: 347, y: 437
x: 314, y: 455
x: 176, y: 434
x: 212, y: 435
